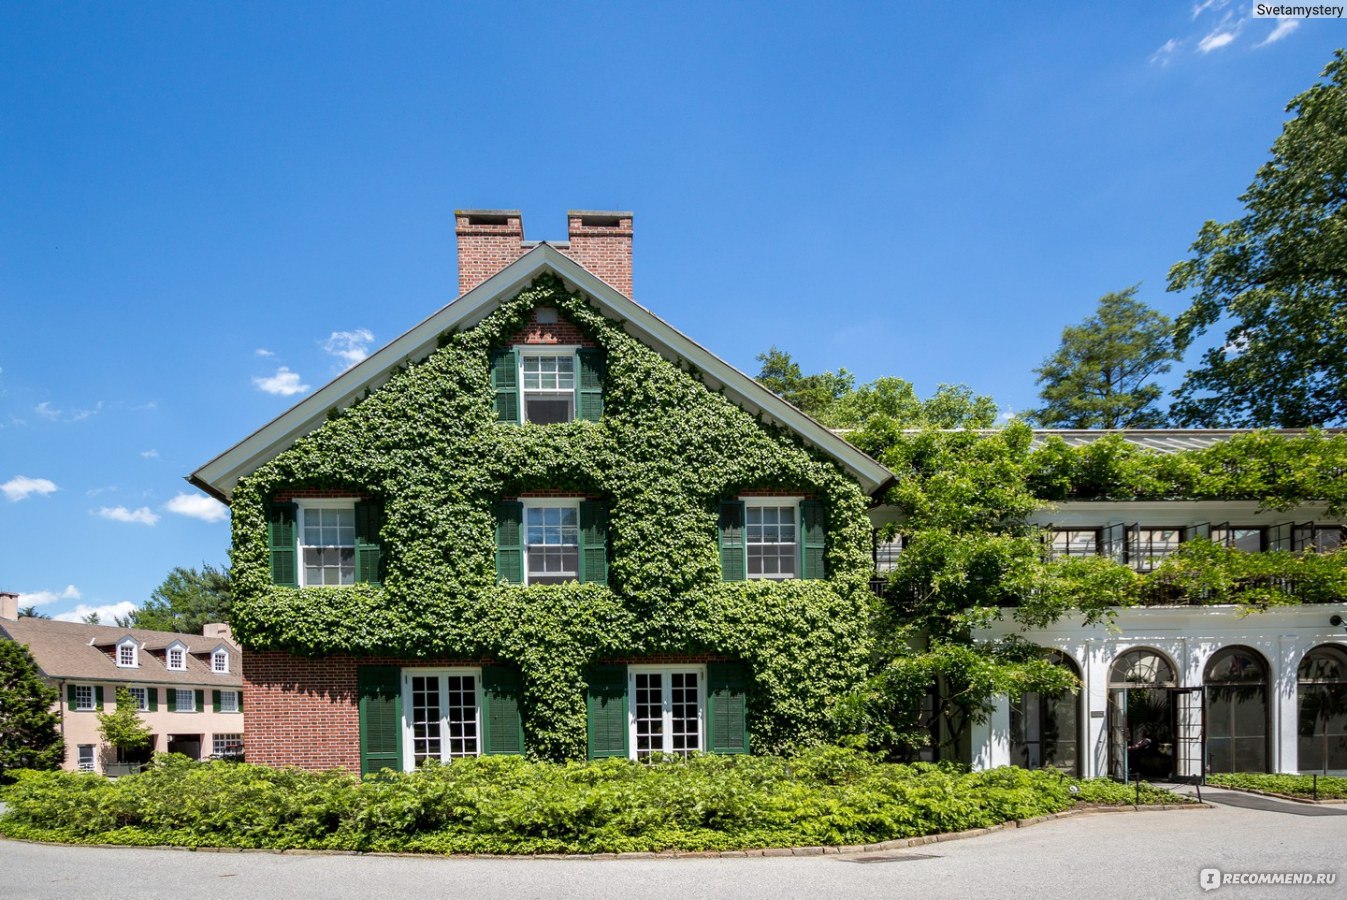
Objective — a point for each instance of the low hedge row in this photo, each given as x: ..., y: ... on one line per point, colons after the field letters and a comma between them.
x: 1330, y: 787
x: 511, y: 805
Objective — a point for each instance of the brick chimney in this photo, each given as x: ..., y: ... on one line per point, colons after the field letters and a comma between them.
x: 9, y: 605
x: 601, y: 242
x: 217, y: 630
x: 491, y: 239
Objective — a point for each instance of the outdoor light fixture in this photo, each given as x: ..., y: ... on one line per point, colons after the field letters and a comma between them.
x: 1335, y: 621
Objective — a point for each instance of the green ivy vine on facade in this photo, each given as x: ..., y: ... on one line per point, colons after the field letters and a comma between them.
x: 664, y: 453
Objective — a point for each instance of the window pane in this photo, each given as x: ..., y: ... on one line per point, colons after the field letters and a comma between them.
x: 649, y: 713
x: 770, y: 541
x: 685, y: 730
x: 461, y: 719
x: 425, y: 718
x: 548, y: 409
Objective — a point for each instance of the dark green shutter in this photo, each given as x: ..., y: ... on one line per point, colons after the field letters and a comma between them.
x: 72, y: 702
x: 153, y: 694
x: 281, y: 539
x: 589, y: 385
x: 215, y: 701
x: 727, y: 708
x: 510, y: 541
x: 369, y: 521
x: 505, y: 385
x: 733, y: 565
x: 593, y: 542
x: 380, y: 691
x: 200, y: 701
x: 500, y: 711
x: 172, y: 695
x: 813, y: 534
x: 606, y: 700
x: 98, y: 697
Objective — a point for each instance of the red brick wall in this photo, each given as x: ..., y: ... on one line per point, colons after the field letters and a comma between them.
x: 305, y: 712
x: 489, y: 240
x: 560, y: 332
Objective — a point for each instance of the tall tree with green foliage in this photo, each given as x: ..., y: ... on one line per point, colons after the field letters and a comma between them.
x: 810, y: 393
x: 1276, y: 279
x: 123, y: 728
x: 1101, y: 375
x: 32, y: 612
x: 29, y: 738
x: 186, y: 600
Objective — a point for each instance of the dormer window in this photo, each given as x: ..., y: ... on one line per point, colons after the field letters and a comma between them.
x: 176, y: 658
x: 128, y: 654
x: 219, y: 662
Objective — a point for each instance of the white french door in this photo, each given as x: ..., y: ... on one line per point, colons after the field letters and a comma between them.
x: 667, y: 707
x: 441, y: 715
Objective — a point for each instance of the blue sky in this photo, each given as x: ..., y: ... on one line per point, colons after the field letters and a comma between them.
x: 206, y: 205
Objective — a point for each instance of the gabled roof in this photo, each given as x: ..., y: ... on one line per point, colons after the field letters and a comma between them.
x: 219, y: 476
x: 73, y: 650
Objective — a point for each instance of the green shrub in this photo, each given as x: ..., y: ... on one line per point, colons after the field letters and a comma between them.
x: 1329, y: 787
x: 512, y: 805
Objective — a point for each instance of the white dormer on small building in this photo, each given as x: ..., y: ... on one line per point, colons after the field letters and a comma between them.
x: 175, y: 657
x: 127, y: 653
x: 219, y: 660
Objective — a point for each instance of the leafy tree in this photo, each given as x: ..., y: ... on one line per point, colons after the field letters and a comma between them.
x: 91, y: 619
x: 122, y: 728
x: 1277, y: 279
x: 31, y: 612
x: 1100, y: 376
x: 28, y: 727
x: 186, y: 600
x: 810, y: 393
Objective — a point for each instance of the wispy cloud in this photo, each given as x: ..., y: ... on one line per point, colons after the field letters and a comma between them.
x: 1216, y: 40
x: 108, y: 613
x: 21, y: 487
x: 142, y: 516
x: 1213, y: 5
x: 284, y: 383
x: 198, y: 506
x: 42, y: 598
x: 1165, y: 54
x: 350, y: 347
x: 263, y: 351
x: 1284, y: 27
x: 53, y: 414
x: 95, y: 491
x: 149, y: 454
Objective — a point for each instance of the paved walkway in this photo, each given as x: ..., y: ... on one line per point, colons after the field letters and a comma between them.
x: 1121, y: 854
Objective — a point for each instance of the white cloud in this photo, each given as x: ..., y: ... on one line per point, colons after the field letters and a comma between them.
x: 1166, y: 52
x: 47, y: 411
x: 1284, y: 27
x: 198, y: 506
x: 108, y: 613
x: 1200, y: 8
x: 21, y: 486
x: 1216, y: 40
x: 42, y: 598
x: 52, y: 414
x: 149, y: 454
x: 284, y: 382
x: 143, y: 516
x: 263, y: 351
x: 351, y: 347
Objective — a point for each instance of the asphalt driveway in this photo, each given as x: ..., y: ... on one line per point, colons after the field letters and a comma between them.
x: 1124, y: 855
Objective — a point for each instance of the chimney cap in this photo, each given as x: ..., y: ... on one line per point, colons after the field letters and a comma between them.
x: 613, y: 213
x: 488, y: 212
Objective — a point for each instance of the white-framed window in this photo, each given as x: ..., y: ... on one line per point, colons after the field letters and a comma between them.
x: 184, y: 700
x: 887, y: 553
x: 772, y: 537
x: 229, y: 701
x: 140, y: 697
x: 551, y: 541
x: 1249, y: 538
x: 84, y: 761
x: 1073, y: 542
x: 84, y: 697
x: 547, y: 383
x: 175, y: 658
x: 219, y: 662
x: 1147, y: 547
x: 326, y: 542
x: 226, y: 745
x: 668, y: 709
x: 442, y: 715
x: 128, y: 654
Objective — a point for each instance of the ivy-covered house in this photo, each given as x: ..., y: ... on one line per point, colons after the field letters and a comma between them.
x: 543, y: 520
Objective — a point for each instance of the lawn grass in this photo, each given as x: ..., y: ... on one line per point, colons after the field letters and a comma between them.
x: 511, y: 805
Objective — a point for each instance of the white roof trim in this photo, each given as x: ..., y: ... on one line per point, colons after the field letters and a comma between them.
x: 221, y: 474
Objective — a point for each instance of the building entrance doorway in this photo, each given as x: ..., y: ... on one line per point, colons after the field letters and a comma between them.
x: 1142, y: 716
x: 188, y: 745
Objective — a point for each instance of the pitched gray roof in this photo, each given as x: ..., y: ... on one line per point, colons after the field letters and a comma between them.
x: 1162, y: 440
x: 73, y: 650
